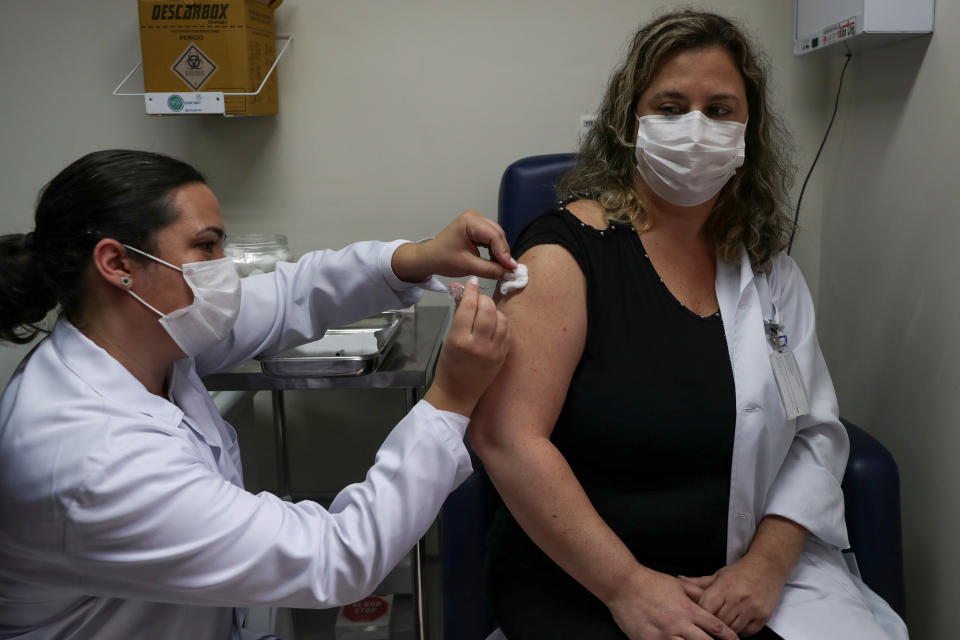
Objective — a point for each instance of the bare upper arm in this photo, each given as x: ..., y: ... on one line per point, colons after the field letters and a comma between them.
x: 548, y: 327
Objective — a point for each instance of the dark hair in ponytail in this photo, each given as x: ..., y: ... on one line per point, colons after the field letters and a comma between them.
x: 119, y: 194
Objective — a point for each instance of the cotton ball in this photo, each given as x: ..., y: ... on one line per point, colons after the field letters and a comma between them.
x: 514, y: 280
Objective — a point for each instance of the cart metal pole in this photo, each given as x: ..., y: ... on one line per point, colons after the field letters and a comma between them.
x: 280, y: 437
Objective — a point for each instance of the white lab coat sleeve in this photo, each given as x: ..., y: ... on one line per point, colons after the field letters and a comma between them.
x: 807, y: 486
x: 299, y: 301
x: 155, y: 524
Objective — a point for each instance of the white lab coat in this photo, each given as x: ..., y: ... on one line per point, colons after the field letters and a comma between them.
x: 123, y: 514
x: 793, y: 468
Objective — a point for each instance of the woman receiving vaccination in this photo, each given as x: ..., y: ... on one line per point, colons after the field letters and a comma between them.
x: 656, y: 484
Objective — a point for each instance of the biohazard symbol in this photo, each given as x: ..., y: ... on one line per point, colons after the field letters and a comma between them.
x: 194, y: 67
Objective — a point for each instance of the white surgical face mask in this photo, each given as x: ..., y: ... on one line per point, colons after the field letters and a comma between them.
x: 687, y: 159
x: 216, y: 304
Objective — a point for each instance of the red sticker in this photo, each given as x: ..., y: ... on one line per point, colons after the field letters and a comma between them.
x: 366, y: 610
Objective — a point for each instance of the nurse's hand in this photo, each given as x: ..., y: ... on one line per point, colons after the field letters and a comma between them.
x: 654, y: 606
x: 472, y: 353
x: 455, y: 252
x: 743, y: 594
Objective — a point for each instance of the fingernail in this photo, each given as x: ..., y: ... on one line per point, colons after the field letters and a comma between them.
x: 513, y: 262
x: 474, y: 280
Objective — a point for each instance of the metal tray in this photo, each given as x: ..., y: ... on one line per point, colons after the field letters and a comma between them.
x: 350, y: 350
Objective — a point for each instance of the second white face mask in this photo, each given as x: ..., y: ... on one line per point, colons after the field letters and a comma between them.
x: 213, y: 312
x: 687, y: 159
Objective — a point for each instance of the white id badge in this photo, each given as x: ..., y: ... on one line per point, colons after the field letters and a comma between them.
x: 790, y: 383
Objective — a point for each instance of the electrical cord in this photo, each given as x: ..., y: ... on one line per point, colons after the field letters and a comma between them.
x: 836, y: 104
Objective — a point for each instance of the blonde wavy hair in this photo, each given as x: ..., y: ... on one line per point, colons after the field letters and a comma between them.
x: 751, y: 209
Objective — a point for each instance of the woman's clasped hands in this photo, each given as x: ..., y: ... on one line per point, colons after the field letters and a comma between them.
x: 743, y: 594
x: 655, y: 606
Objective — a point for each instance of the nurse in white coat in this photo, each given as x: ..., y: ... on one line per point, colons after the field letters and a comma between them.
x: 670, y: 235
x: 122, y: 508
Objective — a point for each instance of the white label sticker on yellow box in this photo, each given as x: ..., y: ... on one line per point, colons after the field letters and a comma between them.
x: 181, y: 103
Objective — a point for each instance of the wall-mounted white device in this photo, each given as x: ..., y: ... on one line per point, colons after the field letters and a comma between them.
x: 863, y: 24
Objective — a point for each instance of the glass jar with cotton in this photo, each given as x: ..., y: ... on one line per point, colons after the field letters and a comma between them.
x: 254, y: 253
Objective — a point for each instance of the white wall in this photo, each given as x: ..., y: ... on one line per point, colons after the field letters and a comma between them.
x: 394, y: 116
x: 889, y: 304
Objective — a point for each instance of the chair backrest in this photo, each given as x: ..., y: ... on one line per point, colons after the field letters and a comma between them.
x: 528, y: 187
x: 871, y: 485
x: 871, y: 492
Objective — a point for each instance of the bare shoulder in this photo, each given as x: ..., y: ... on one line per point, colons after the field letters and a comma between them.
x: 554, y: 276
x: 589, y: 212
x: 556, y: 289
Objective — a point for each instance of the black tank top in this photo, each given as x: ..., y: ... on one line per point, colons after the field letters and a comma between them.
x: 648, y: 421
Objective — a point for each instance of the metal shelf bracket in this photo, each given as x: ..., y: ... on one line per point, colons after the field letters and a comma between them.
x: 194, y: 102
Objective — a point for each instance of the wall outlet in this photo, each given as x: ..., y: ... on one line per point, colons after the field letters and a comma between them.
x: 586, y: 123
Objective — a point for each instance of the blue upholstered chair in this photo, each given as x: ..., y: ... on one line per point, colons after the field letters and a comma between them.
x: 871, y: 485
